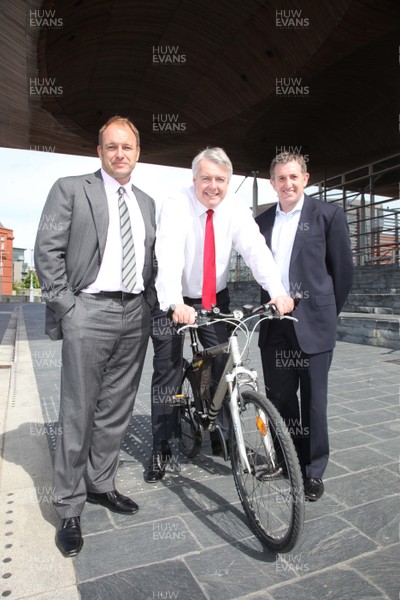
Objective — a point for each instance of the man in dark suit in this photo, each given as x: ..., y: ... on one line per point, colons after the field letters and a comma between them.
x: 310, y: 243
x: 94, y: 258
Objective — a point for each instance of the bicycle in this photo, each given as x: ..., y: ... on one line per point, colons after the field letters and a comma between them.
x: 264, y: 461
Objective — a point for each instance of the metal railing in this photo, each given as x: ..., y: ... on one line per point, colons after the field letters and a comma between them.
x: 372, y: 215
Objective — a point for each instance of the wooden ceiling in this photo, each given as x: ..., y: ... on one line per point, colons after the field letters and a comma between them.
x: 252, y: 76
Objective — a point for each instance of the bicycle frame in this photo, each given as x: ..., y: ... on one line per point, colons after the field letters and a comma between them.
x: 264, y: 461
x: 233, y: 377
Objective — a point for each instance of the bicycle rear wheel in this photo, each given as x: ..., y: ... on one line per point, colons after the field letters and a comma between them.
x: 272, y: 493
x: 190, y: 437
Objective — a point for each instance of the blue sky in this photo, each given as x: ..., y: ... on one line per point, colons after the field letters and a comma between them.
x: 27, y: 176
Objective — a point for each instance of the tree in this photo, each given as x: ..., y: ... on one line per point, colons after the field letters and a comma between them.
x: 17, y: 287
x: 26, y: 283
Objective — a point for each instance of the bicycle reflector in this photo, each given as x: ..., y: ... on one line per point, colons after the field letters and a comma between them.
x: 262, y: 426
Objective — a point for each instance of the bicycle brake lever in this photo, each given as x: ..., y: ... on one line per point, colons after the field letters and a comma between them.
x: 296, y: 299
x: 271, y: 311
x: 170, y: 311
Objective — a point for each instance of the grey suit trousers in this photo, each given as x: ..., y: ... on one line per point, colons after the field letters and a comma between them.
x: 104, y: 346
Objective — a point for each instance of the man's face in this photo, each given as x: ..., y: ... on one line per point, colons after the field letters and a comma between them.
x: 118, y: 152
x: 289, y: 183
x: 210, y: 183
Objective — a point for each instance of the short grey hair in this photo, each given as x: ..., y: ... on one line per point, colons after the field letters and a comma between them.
x: 216, y: 155
x: 285, y: 157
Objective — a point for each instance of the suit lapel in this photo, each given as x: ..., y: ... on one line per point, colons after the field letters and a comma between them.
x: 96, y: 194
x: 269, y: 225
x: 304, y: 227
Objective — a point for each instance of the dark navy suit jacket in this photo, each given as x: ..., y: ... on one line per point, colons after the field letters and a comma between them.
x: 321, y: 271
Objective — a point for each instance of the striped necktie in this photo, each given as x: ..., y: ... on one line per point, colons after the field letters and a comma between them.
x: 128, y: 247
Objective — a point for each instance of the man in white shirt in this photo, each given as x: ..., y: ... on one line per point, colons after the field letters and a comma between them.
x: 310, y: 243
x: 180, y: 244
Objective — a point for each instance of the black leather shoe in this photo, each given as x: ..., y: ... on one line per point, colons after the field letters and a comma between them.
x: 114, y: 501
x: 155, y: 470
x: 69, y: 537
x: 313, y: 489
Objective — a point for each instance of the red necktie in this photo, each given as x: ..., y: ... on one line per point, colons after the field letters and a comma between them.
x: 209, y: 293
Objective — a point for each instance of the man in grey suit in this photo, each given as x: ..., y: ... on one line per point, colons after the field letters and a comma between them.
x: 95, y: 264
x: 310, y: 243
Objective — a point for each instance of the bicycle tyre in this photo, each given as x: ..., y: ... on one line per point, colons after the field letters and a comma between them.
x: 272, y: 497
x: 190, y: 431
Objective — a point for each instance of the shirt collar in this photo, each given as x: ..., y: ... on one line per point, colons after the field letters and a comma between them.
x: 296, y: 209
x: 201, y: 209
x: 112, y: 185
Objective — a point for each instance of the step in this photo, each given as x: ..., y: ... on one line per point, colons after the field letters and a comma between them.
x: 370, y: 329
x: 375, y: 310
x: 373, y: 303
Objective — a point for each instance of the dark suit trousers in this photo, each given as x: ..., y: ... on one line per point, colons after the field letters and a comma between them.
x: 286, y: 369
x: 168, y: 368
x: 104, y: 346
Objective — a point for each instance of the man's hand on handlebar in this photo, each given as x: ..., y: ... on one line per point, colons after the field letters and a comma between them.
x: 284, y: 304
x: 183, y: 314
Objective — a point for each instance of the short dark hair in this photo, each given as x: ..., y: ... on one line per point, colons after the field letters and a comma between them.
x: 286, y: 157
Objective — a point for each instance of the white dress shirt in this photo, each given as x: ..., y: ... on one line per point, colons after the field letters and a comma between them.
x: 283, y: 234
x: 109, y: 277
x: 180, y: 244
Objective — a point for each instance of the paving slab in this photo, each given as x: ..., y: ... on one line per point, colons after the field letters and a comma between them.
x: 190, y: 539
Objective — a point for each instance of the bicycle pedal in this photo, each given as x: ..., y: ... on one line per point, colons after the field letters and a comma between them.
x: 269, y: 473
x: 201, y: 419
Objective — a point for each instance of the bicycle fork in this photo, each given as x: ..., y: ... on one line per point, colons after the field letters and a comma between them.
x: 262, y: 425
x: 261, y: 420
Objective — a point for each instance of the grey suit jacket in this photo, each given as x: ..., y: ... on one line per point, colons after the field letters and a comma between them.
x: 321, y: 271
x: 71, y: 240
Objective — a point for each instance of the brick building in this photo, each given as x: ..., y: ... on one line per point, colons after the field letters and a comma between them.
x: 6, y: 260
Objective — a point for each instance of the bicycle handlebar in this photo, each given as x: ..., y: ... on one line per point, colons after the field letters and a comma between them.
x: 204, y: 315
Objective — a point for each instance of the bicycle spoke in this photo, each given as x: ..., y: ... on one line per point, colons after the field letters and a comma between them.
x: 272, y: 493
x: 190, y: 437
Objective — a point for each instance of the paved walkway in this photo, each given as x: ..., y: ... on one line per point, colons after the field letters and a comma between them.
x: 190, y: 539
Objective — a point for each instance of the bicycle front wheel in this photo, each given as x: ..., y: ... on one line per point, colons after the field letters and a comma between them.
x: 272, y: 493
x: 190, y: 436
